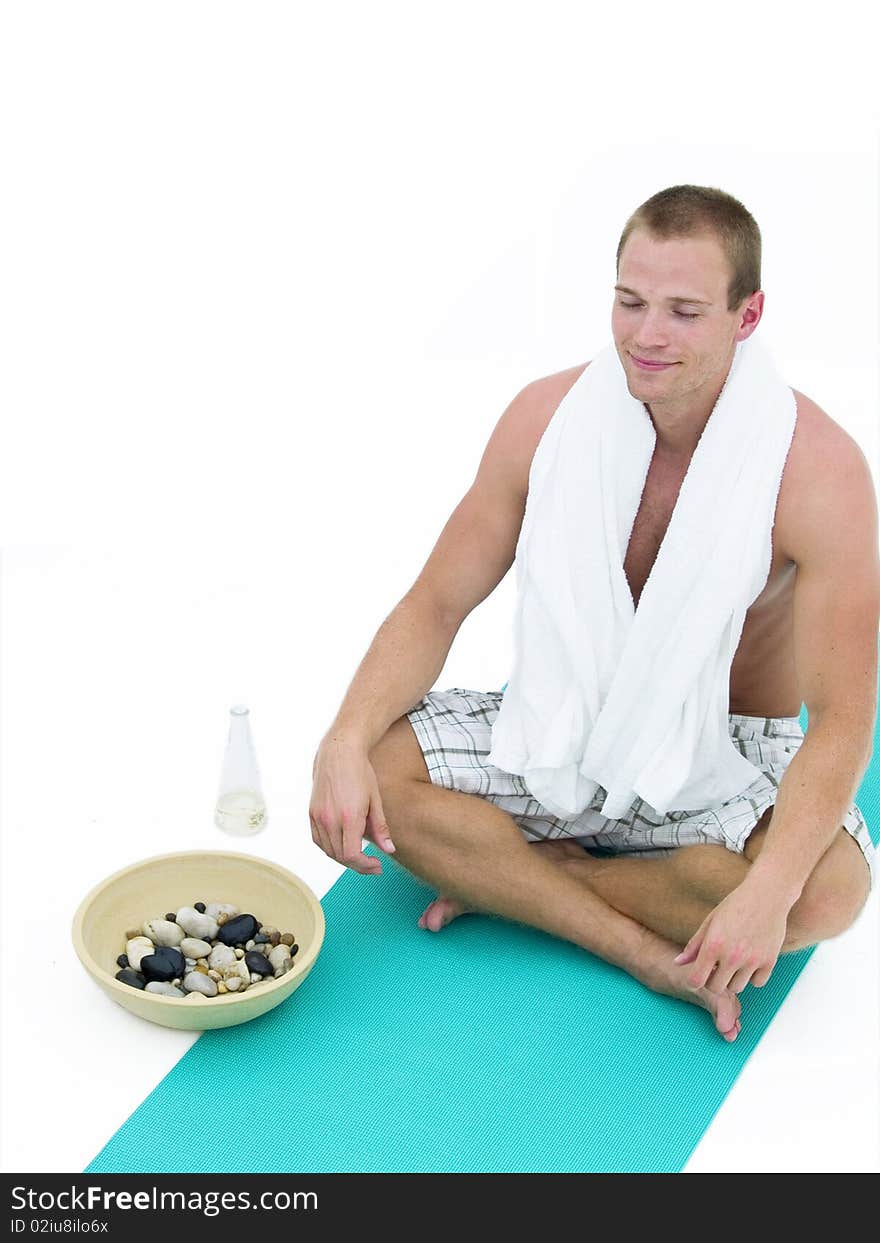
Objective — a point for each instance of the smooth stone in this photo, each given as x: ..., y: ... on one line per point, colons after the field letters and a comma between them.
x: 194, y: 947
x: 173, y: 954
x: 279, y: 954
x: 257, y: 963
x: 288, y: 938
x: 214, y: 909
x: 239, y: 953
x: 215, y: 975
x: 190, y: 964
x: 197, y: 982
x: 166, y: 964
x: 284, y: 968
x: 127, y: 976
x: 164, y: 988
x: 240, y: 970
x: 234, y: 931
x: 196, y: 925
x: 135, y: 949
x: 233, y: 984
x: 163, y: 932
x: 221, y: 956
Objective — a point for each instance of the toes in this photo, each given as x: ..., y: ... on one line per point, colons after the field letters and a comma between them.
x: 436, y: 917
x: 727, y: 1014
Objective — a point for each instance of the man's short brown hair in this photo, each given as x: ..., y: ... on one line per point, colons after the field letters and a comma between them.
x: 684, y: 211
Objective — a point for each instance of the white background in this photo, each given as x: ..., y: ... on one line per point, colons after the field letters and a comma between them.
x: 271, y: 274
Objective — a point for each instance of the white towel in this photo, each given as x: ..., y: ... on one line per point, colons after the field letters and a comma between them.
x: 635, y: 700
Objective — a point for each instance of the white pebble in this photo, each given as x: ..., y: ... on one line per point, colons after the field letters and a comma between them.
x: 221, y: 956
x: 164, y: 988
x: 221, y: 908
x: 198, y: 982
x: 194, y: 924
x: 239, y: 970
x: 277, y: 954
x: 136, y: 948
x: 163, y: 932
x: 233, y: 984
x: 192, y: 947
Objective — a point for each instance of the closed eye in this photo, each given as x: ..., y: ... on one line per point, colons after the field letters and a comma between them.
x: 631, y: 306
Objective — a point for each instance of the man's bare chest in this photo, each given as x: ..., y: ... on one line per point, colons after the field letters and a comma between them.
x: 654, y: 514
x: 659, y: 496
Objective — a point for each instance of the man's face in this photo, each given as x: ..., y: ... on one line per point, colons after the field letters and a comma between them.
x: 670, y: 307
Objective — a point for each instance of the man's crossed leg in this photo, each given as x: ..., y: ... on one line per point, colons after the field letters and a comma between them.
x: 635, y: 913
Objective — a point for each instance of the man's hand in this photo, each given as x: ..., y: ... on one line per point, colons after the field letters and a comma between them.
x: 345, y: 807
x: 738, y: 942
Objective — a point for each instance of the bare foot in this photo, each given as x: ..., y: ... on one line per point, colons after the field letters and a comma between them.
x: 441, y: 912
x: 660, y: 972
x: 657, y: 967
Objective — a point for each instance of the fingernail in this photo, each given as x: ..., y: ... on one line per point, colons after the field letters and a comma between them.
x: 389, y: 846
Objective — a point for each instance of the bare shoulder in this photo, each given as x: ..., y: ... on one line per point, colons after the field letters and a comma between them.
x: 525, y: 419
x: 827, y: 492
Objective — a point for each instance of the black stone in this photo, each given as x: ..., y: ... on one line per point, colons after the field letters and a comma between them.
x: 293, y: 950
x: 237, y: 931
x: 134, y: 978
x: 255, y: 961
x: 200, y: 907
x: 260, y: 939
x: 167, y: 963
x: 122, y: 960
x: 171, y: 917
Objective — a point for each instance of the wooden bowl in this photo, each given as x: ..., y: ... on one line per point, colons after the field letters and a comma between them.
x: 150, y: 888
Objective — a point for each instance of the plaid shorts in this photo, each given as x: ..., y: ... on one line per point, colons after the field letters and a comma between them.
x: 454, y: 731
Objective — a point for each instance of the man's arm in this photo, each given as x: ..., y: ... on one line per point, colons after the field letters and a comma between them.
x: 475, y: 549
x: 830, y: 532
x: 834, y: 543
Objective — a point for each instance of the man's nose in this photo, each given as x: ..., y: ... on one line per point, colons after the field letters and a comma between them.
x: 652, y: 332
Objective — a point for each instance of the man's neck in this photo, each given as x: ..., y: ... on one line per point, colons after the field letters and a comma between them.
x: 679, y: 425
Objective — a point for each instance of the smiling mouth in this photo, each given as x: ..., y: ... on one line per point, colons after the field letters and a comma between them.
x: 648, y: 365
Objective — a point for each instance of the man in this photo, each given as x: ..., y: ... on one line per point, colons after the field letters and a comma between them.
x: 685, y: 903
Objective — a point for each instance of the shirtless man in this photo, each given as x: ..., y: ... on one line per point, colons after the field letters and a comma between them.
x: 701, y: 921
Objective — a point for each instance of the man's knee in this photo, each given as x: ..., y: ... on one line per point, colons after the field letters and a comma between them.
x: 835, y: 891
x: 397, y: 756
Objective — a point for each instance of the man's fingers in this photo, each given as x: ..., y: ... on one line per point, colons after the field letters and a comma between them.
x: 690, y: 951
x: 760, y: 978
x: 320, y: 837
x: 352, y: 841
x: 741, y: 978
x: 705, y: 964
x: 377, y: 825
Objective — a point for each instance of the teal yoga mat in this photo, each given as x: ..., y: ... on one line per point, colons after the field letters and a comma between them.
x: 487, y: 1047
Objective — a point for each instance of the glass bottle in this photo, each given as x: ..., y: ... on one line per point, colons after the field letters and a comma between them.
x: 241, y: 808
